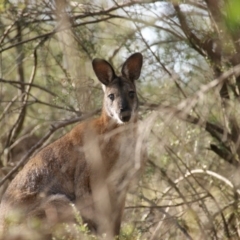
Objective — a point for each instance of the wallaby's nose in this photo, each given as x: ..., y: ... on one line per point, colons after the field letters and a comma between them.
x: 124, y: 106
x: 123, y: 109
x: 125, y: 112
x: 125, y: 115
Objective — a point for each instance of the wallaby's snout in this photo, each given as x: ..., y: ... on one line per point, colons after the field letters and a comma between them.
x: 127, y: 105
x: 125, y: 115
x: 125, y: 110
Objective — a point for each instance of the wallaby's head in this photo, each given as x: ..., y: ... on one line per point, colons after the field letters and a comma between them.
x: 120, y: 98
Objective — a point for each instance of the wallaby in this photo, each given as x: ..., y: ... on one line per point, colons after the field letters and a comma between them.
x: 89, y: 167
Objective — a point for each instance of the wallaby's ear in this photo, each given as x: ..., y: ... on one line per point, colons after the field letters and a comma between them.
x: 103, y: 71
x: 132, y: 67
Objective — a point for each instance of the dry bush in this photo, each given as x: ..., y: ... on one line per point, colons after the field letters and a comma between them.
x: 189, y: 100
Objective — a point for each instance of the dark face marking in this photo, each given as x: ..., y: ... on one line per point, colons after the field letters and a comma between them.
x: 120, y: 99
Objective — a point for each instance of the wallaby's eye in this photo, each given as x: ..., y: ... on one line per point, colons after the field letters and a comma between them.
x: 131, y: 94
x: 111, y: 96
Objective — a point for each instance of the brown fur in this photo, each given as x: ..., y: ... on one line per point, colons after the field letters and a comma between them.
x: 90, y: 166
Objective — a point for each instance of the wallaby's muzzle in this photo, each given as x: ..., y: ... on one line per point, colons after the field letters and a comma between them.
x: 125, y: 116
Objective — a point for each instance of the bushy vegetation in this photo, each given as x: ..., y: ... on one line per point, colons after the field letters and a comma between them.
x: 189, y: 93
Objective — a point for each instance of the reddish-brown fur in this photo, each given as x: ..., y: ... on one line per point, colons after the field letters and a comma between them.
x: 90, y: 166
